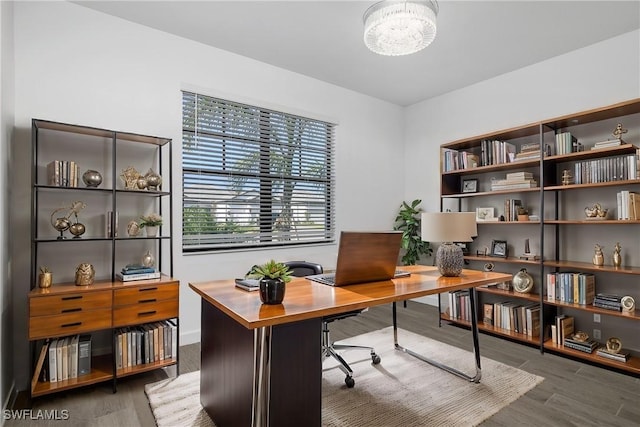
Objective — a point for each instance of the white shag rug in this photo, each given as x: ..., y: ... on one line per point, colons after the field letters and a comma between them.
x: 400, y: 391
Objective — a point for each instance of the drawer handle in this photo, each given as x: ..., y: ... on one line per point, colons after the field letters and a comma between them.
x: 71, y: 298
x: 147, y: 313
x: 71, y: 310
x: 69, y: 325
x: 155, y: 288
x: 142, y: 301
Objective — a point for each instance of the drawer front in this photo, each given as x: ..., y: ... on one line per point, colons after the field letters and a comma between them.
x: 143, y: 313
x: 69, y: 303
x: 69, y: 324
x: 145, y: 294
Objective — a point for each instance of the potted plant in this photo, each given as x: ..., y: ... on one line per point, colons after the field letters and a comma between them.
x: 408, y: 221
x: 151, y: 222
x: 272, y: 277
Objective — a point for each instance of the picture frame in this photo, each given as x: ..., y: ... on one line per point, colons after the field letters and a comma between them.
x: 469, y: 186
x: 499, y: 248
x: 485, y: 214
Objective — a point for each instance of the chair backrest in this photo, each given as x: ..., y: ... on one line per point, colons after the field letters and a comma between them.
x: 303, y: 268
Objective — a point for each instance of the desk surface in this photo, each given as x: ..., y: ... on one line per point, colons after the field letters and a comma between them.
x: 305, y: 299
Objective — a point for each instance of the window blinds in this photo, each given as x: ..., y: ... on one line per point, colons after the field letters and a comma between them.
x: 254, y: 177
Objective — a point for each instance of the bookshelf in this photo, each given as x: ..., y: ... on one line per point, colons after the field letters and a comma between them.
x: 560, y: 235
x: 85, y: 167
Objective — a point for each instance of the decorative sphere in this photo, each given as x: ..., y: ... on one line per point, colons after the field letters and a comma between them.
x: 522, y: 281
x: 62, y: 224
x: 92, y: 178
x: 141, y: 183
x: 77, y: 229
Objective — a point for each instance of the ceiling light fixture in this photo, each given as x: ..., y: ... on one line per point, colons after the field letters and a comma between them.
x: 397, y: 28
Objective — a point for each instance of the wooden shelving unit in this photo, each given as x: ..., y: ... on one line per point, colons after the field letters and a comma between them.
x: 65, y: 309
x: 552, y: 198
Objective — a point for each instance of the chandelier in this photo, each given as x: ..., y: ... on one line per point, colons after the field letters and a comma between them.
x: 397, y: 28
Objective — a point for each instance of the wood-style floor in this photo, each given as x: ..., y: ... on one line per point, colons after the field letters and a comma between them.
x: 572, y: 394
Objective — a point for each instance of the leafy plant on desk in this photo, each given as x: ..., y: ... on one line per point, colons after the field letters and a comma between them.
x: 271, y: 270
x: 408, y: 221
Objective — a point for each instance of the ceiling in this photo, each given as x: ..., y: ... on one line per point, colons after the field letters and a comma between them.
x: 476, y: 40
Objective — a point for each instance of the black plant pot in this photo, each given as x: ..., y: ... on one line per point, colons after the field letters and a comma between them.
x: 272, y: 291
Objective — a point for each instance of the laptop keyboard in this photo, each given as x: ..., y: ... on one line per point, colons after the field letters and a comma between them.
x: 330, y: 279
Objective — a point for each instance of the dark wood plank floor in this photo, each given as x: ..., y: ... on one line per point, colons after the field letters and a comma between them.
x: 572, y: 394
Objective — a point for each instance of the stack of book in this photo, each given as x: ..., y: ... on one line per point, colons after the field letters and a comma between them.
x: 496, y: 152
x: 562, y: 328
x: 62, y: 173
x: 529, y: 151
x: 566, y: 143
x: 628, y: 204
x: 137, y: 272
x: 585, y: 346
x: 513, y: 181
x: 620, y: 356
x: 65, y: 358
x: 608, y: 302
x: 148, y: 343
x: 607, y: 143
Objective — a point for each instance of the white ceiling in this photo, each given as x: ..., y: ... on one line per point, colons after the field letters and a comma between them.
x: 476, y: 40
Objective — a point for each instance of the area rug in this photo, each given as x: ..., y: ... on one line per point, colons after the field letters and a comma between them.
x: 400, y: 391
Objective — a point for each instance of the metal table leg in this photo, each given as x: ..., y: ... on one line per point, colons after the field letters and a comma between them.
x: 261, y: 376
x: 476, y: 346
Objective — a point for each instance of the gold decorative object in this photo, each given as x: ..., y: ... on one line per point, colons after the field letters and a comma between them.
x: 153, y: 180
x: 45, y: 279
x: 617, y: 257
x: 85, y: 273
x: 596, y: 212
x: 581, y: 336
x: 566, y: 177
x: 148, y: 260
x: 141, y: 183
x: 598, y: 256
x: 614, y: 345
x: 133, y: 228
x: 130, y: 178
x: 63, y: 223
x: 522, y: 281
x: 619, y: 131
x: 628, y: 304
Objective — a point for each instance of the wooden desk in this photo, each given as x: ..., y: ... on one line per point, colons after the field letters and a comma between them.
x: 261, y: 364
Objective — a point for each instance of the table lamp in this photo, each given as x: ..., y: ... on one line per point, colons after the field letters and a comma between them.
x: 447, y: 228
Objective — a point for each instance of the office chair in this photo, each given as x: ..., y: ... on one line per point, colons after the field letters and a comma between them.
x: 304, y: 268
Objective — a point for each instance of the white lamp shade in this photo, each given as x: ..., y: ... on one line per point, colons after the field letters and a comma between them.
x: 449, y: 226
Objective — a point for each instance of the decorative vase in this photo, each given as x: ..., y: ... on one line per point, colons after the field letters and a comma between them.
x: 152, y: 230
x: 598, y: 256
x: 153, y: 180
x: 272, y: 291
x: 148, y: 259
x: 85, y: 273
x: 92, y: 178
x: 45, y: 280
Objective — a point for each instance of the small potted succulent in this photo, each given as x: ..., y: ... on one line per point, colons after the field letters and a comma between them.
x: 272, y: 277
x: 151, y: 222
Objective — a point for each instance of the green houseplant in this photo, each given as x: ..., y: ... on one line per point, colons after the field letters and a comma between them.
x: 272, y: 277
x: 408, y: 221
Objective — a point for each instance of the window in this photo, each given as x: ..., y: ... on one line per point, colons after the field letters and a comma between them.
x: 253, y: 177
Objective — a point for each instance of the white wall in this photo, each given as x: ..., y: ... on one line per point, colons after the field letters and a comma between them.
x: 6, y: 128
x: 591, y: 77
x: 79, y: 66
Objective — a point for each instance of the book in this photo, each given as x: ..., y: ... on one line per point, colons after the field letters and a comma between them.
x: 488, y: 314
x: 73, y: 356
x: 519, y: 176
x: 584, y: 346
x: 84, y: 355
x: 620, y: 356
x: 53, y: 377
x: 136, y: 268
x: 137, y: 276
x: 59, y: 345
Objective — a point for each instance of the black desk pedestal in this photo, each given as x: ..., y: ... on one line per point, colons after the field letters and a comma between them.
x: 227, y: 371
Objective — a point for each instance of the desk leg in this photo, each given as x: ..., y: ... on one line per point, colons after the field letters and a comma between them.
x: 476, y: 346
x: 261, y: 376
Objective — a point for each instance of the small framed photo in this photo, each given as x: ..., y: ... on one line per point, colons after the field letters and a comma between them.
x: 469, y: 185
x: 499, y: 248
x: 485, y: 214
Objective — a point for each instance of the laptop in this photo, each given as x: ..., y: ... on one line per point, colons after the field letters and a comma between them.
x: 364, y: 257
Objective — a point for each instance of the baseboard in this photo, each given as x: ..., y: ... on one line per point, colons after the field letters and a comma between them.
x: 191, y: 337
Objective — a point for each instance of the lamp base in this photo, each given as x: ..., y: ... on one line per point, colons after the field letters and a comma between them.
x: 449, y: 259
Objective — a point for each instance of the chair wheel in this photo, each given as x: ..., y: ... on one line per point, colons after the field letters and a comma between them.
x: 350, y: 382
x: 375, y: 359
